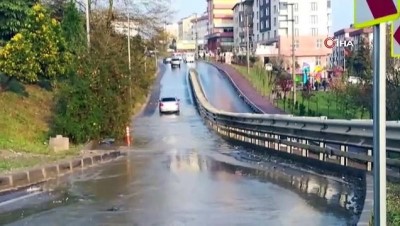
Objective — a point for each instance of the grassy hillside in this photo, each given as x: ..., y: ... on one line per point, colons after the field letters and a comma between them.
x: 25, y: 119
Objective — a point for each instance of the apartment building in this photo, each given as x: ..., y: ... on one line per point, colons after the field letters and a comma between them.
x: 362, y: 37
x: 185, y: 28
x: 312, y: 24
x: 243, y: 20
x: 124, y: 28
x: 220, y: 16
x: 172, y: 30
x: 338, y: 56
x: 200, y: 30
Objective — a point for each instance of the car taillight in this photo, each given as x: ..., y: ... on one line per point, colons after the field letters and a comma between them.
x: 177, y: 103
x: 161, y: 104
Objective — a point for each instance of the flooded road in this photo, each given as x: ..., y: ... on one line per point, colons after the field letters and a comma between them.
x: 182, y: 173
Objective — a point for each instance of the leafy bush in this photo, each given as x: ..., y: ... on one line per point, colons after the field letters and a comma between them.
x: 95, y: 103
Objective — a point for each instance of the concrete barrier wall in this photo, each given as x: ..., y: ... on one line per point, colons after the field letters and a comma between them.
x: 25, y: 178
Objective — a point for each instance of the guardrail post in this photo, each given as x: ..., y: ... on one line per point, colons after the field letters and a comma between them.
x: 277, y: 144
x: 289, y: 148
x: 304, y: 152
x: 322, y: 155
x: 343, y: 160
x: 369, y: 164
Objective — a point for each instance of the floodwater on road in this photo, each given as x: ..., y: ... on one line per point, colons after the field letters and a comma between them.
x: 182, y: 173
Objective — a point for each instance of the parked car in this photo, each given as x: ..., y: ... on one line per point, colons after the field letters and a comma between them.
x: 167, y: 60
x: 175, y: 62
x: 169, y: 105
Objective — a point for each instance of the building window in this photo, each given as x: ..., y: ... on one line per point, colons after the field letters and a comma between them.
x: 275, y: 9
x: 267, y: 11
x: 269, y: 35
x: 275, y: 34
x: 314, y: 6
x: 319, y: 43
x: 283, y: 6
x: 262, y: 36
x: 262, y: 26
x: 296, y: 7
x: 258, y: 37
x: 266, y: 25
x: 328, y: 4
x: 258, y: 27
x: 314, y: 31
x: 296, y: 19
x: 314, y: 19
x: 274, y: 21
x: 318, y: 60
x: 296, y: 32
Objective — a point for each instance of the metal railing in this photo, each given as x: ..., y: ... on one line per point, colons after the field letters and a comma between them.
x: 343, y: 142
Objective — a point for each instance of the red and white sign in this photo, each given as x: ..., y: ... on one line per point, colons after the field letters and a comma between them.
x: 373, y: 12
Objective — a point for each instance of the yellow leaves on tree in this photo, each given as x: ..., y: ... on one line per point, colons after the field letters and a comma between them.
x: 37, y: 51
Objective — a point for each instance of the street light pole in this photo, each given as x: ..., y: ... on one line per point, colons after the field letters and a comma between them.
x: 88, y: 23
x: 129, y: 59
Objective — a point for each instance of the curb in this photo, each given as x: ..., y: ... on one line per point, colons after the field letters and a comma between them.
x: 366, y: 214
x: 16, y: 180
x: 252, y: 105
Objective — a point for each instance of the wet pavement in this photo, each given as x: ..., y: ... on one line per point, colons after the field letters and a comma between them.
x: 182, y: 173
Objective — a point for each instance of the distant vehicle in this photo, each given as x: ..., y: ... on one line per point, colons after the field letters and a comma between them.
x: 179, y: 56
x: 167, y: 60
x: 175, y: 62
x: 189, y: 58
x: 169, y: 105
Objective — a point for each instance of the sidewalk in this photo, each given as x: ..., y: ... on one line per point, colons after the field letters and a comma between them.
x: 247, y: 90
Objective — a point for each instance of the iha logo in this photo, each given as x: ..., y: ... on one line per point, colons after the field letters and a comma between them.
x: 331, y: 43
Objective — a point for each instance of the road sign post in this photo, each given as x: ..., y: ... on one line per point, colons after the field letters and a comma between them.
x: 379, y: 123
x: 376, y: 13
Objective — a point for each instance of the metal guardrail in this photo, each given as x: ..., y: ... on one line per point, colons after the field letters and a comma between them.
x: 344, y: 142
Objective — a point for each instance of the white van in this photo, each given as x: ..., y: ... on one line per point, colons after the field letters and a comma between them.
x: 190, y: 58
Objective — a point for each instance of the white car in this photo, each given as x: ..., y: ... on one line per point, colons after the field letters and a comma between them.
x: 175, y: 62
x: 167, y: 60
x: 169, y: 105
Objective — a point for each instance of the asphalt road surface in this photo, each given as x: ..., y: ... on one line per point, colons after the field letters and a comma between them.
x: 182, y: 173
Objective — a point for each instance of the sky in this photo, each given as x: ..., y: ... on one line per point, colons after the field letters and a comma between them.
x: 342, y: 11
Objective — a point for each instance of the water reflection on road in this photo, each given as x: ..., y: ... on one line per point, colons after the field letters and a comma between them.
x: 181, y: 173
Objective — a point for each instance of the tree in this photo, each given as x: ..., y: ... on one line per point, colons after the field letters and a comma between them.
x: 360, y: 62
x: 393, y: 82
x: 37, y: 51
x: 13, y: 14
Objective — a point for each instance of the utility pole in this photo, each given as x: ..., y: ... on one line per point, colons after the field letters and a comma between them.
x: 196, y: 38
x: 248, y: 44
x: 293, y: 58
x: 246, y: 24
x: 88, y: 23
x: 293, y: 52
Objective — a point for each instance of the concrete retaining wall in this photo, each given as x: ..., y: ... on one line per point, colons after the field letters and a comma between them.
x: 25, y: 178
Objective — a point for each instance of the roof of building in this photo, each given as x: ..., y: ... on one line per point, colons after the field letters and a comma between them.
x: 246, y: 2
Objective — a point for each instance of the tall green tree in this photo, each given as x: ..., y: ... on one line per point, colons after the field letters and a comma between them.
x: 13, y: 14
x: 37, y: 51
x: 361, y: 61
